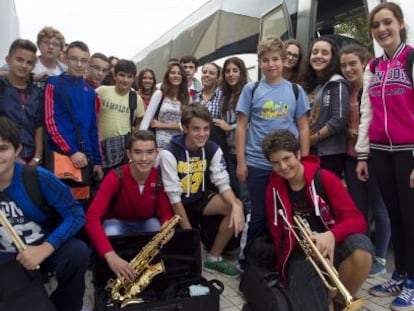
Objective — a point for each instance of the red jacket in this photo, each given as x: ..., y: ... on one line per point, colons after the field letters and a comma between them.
x: 130, y: 204
x: 341, y: 216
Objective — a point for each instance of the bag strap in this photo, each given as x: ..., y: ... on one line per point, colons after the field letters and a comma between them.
x: 30, y: 176
x: 157, y: 112
x: 32, y: 186
x: 132, y: 102
x: 118, y: 171
x: 320, y: 189
x: 295, y: 89
x: 75, y: 125
x: 409, y: 65
x: 254, y: 88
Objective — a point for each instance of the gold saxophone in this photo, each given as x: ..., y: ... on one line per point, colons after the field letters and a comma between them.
x: 329, y: 274
x: 125, y: 291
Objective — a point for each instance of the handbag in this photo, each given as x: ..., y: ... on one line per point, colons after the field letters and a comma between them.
x: 79, y: 180
x: 62, y: 166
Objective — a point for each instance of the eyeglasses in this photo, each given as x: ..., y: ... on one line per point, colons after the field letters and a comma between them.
x: 99, y: 69
x: 54, y: 44
x: 292, y: 55
x: 76, y: 60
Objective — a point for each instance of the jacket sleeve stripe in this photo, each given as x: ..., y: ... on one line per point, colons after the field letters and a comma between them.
x: 50, y: 121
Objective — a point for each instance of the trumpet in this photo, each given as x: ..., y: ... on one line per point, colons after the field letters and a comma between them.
x: 328, y: 271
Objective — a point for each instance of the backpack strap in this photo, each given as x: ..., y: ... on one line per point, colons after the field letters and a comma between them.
x: 374, y: 63
x: 30, y: 176
x: 320, y: 189
x: 255, y: 87
x: 157, y: 112
x: 158, y: 185
x: 118, y: 171
x: 32, y: 186
x: 295, y: 90
x: 409, y: 65
x: 132, y: 107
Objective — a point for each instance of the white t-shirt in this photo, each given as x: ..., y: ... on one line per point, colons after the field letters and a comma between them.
x: 39, y: 68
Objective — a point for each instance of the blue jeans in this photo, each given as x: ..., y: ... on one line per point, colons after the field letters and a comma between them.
x: 257, y: 181
x: 240, y: 189
x: 367, y: 196
x: 69, y: 262
x: 115, y: 227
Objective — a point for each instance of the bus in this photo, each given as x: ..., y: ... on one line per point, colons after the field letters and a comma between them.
x: 224, y: 28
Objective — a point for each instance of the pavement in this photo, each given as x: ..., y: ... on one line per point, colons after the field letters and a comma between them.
x: 232, y: 299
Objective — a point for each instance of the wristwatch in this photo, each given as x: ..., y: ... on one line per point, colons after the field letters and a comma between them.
x: 37, y: 160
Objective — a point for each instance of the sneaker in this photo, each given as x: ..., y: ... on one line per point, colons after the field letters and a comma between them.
x: 221, y: 266
x: 378, y: 267
x: 405, y: 300
x: 391, y: 287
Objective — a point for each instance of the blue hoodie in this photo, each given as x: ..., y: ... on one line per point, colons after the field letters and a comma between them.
x: 57, y: 195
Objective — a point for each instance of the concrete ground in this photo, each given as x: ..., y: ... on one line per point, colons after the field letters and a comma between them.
x: 232, y: 300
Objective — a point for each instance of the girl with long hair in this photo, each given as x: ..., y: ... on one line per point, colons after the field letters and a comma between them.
x: 366, y: 195
x: 386, y: 131
x: 329, y: 99
x: 147, y: 84
x: 164, y: 110
x: 234, y: 78
x: 293, y: 60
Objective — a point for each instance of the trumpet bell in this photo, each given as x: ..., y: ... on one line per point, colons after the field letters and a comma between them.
x: 355, y: 305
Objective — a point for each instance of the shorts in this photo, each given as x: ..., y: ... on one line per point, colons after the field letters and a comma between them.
x: 351, y: 243
x: 195, y: 209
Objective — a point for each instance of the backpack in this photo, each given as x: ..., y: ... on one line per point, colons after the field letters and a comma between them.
x: 295, y: 89
x: 408, y: 64
x: 30, y: 178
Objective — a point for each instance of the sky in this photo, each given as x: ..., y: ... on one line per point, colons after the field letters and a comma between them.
x: 121, y: 28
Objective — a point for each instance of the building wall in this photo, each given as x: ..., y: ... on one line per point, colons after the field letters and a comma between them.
x: 9, y: 25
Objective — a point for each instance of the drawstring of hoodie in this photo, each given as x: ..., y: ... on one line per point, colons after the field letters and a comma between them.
x: 274, y: 207
x: 315, y: 198
x: 203, y: 161
x: 187, y: 159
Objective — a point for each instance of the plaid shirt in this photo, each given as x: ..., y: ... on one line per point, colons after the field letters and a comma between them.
x: 213, y: 104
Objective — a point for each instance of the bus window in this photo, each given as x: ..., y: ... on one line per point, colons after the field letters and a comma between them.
x: 276, y: 22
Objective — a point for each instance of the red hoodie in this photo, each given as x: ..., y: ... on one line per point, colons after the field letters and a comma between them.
x: 340, y: 216
x: 130, y: 205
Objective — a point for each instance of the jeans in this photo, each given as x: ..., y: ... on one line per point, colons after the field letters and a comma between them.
x: 367, y: 197
x: 240, y: 189
x: 257, y: 181
x: 69, y: 262
x: 115, y: 227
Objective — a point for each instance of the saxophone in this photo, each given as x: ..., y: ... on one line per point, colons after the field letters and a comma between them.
x: 126, y: 292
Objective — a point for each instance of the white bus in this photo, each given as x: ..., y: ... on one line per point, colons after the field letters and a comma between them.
x: 223, y: 28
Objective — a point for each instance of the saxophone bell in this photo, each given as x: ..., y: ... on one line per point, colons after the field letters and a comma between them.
x: 126, y: 292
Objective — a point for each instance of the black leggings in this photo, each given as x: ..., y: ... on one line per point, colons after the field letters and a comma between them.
x: 393, y: 171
